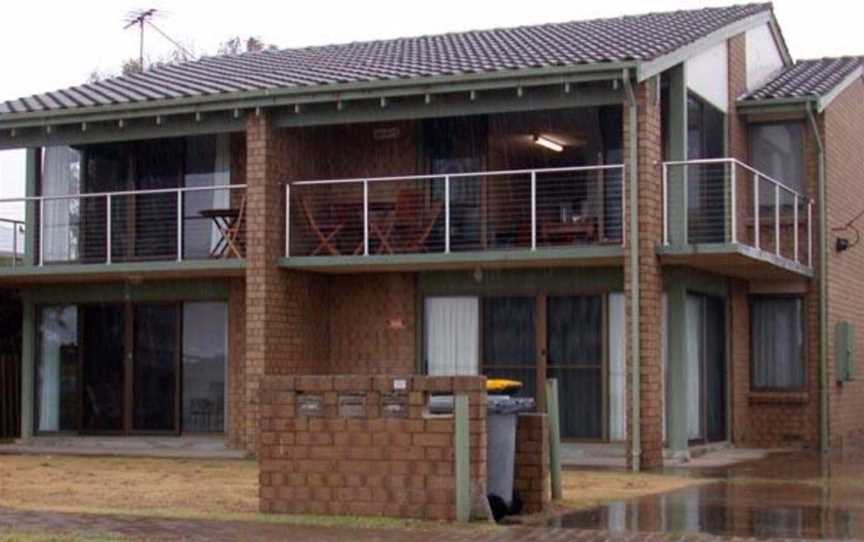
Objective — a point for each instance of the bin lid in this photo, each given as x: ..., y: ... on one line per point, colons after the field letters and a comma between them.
x: 505, y: 404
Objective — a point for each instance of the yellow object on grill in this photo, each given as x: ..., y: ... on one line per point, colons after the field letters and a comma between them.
x: 502, y: 385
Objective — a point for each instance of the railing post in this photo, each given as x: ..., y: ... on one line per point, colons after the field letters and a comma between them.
x: 795, y: 224
x: 623, y: 206
x: 757, y: 226
x: 733, y: 194
x: 287, y: 220
x: 685, y: 215
x: 447, y: 214
x: 777, y: 219
x: 810, y: 233
x: 533, y: 210
x: 179, y: 225
x: 41, y: 232
x: 108, y: 229
x: 665, y: 196
x: 365, y: 217
x: 14, y: 244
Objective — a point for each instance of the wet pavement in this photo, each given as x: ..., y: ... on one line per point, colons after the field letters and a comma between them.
x: 149, y: 528
x: 784, y: 495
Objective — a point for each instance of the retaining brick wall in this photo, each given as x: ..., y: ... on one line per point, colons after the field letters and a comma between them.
x: 532, y: 462
x: 371, y: 464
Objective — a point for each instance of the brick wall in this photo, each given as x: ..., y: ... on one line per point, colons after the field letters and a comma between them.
x: 532, y: 462
x: 236, y: 394
x: 372, y: 323
x: 650, y: 273
x: 843, y: 122
x: 369, y: 464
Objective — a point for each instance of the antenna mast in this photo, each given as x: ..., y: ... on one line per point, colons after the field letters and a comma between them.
x: 138, y: 18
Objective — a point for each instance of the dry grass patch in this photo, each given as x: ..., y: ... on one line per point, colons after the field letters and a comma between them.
x: 590, y: 488
x: 178, y: 487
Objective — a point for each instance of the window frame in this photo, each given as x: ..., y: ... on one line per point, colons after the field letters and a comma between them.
x: 753, y: 299
x: 753, y: 128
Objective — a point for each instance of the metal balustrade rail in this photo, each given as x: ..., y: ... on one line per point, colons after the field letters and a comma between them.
x: 176, y: 224
x: 446, y: 213
x: 727, y: 201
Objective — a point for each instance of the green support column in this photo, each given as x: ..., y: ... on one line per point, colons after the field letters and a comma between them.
x: 30, y: 208
x: 461, y: 444
x: 676, y: 150
x: 28, y: 364
x: 676, y: 366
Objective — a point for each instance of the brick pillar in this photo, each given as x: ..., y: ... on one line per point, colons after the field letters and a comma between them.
x: 286, y: 311
x: 650, y: 274
x: 236, y: 426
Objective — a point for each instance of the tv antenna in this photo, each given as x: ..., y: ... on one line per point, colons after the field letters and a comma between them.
x: 143, y: 17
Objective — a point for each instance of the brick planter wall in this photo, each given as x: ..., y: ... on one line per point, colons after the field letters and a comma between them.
x: 532, y: 462
x: 347, y: 460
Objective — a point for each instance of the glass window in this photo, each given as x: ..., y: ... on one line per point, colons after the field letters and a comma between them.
x: 452, y: 336
x: 509, y: 341
x: 777, y: 151
x: 13, y: 178
x: 777, y: 336
x: 208, y: 164
x: 205, y: 353
x: 61, y: 176
x: 57, y: 369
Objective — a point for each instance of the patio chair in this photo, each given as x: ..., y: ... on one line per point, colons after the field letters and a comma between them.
x: 408, y: 226
x: 325, y: 233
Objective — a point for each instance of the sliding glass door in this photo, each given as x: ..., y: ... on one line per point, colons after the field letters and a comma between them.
x: 122, y: 368
x: 706, y: 368
x: 530, y: 339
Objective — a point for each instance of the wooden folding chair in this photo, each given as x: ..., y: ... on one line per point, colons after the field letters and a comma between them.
x: 324, y: 233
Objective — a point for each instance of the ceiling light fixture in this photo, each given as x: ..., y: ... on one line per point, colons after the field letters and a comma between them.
x: 548, y: 143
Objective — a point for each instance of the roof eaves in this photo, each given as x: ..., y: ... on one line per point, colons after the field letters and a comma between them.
x: 826, y: 99
x: 660, y: 64
x: 353, y: 90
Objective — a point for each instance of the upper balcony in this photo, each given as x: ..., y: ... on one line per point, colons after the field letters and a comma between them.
x: 514, y: 217
x: 158, y: 208
x: 724, y: 216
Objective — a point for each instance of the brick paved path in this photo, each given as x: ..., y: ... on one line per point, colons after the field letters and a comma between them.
x: 148, y: 528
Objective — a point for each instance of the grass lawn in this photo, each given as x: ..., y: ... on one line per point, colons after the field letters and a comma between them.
x: 228, y: 489
x: 589, y: 488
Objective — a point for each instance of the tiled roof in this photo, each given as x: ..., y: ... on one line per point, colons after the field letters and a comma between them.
x: 807, y: 78
x: 621, y: 39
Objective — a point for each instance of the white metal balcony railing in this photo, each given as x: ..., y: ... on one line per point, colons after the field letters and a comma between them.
x: 177, y: 224
x: 441, y: 213
x: 727, y: 201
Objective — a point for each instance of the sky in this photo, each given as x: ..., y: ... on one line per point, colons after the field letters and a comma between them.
x: 50, y: 44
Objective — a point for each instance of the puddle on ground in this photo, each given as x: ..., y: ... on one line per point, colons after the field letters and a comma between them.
x: 795, y: 495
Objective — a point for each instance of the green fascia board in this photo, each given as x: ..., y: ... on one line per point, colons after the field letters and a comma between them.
x: 350, y: 264
x: 326, y: 93
x: 775, y: 105
x: 529, y: 282
x: 133, y: 130
x: 125, y: 268
x: 694, y: 249
x: 502, y: 101
x: 118, y: 292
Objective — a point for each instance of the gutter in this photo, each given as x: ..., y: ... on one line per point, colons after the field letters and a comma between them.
x: 824, y: 438
x: 633, y: 250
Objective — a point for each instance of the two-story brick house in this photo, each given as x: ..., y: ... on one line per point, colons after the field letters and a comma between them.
x: 649, y: 209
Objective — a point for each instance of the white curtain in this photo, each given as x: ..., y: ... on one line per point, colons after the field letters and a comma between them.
x: 61, y: 176
x: 59, y: 328
x: 452, y: 336
x: 617, y: 369
x: 694, y: 320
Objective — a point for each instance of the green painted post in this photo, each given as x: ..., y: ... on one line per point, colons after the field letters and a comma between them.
x: 554, y: 437
x: 28, y: 365
x: 30, y: 209
x: 462, y: 446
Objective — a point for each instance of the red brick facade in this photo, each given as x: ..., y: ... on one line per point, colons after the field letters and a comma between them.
x: 843, y: 122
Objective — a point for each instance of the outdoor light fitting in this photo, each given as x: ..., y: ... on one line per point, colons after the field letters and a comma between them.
x: 548, y: 143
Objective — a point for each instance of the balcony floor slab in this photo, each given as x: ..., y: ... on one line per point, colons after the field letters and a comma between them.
x: 734, y: 259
